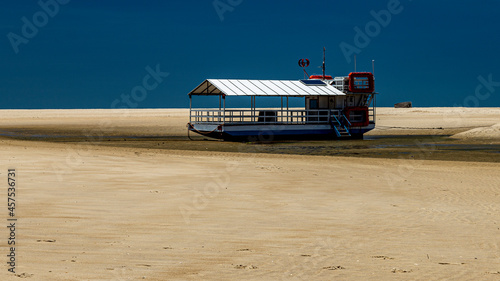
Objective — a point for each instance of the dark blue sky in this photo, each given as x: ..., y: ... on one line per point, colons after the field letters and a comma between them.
x: 87, y: 54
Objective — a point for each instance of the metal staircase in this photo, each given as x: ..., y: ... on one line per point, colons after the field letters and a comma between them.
x: 365, y: 100
x: 339, y: 126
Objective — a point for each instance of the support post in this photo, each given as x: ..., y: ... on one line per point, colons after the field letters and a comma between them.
x: 282, y: 109
x: 287, y: 111
x: 190, y: 104
x: 224, y: 118
x: 251, y: 109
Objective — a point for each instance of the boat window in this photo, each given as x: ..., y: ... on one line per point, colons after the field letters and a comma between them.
x: 313, y: 104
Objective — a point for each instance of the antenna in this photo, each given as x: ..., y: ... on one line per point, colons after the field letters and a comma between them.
x: 373, y: 67
x: 324, y: 55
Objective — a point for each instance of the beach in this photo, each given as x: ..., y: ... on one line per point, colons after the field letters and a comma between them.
x: 125, y: 195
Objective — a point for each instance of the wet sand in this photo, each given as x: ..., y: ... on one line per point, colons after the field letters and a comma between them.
x: 123, y: 195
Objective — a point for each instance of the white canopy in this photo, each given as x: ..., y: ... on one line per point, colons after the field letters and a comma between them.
x: 237, y: 87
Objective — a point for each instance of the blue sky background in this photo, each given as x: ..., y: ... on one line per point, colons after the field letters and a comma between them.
x: 91, y: 52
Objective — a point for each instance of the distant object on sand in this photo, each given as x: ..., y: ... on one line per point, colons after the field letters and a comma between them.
x: 406, y: 104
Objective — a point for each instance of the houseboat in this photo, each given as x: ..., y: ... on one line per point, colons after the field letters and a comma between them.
x: 333, y: 107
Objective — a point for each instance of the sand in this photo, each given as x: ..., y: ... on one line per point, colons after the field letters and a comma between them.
x: 94, y: 212
x: 489, y: 132
x: 434, y: 120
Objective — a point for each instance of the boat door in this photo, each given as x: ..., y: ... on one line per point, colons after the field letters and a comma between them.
x: 350, y: 101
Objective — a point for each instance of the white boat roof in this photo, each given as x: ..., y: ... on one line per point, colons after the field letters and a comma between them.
x: 241, y: 87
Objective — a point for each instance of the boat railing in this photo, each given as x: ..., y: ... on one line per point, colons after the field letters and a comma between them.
x: 371, y: 109
x: 263, y: 116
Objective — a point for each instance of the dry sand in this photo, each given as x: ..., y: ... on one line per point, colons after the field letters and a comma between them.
x: 89, y: 212
x: 435, y: 120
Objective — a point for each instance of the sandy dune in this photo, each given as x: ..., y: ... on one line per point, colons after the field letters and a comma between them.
x: 490, y: 132
x: 88, y: 212
x: 434, y: 120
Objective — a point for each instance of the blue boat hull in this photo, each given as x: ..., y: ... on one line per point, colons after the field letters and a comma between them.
x: 274, y: 132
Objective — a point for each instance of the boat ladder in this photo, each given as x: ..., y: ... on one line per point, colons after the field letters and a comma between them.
x: 339, y: 126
